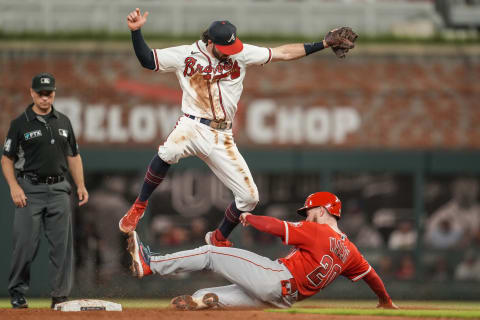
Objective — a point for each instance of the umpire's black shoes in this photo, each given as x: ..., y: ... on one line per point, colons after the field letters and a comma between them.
x: 18, y: 301
x: 56, y: 300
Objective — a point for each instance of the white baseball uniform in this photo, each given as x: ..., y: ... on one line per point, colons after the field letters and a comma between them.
x: 211, y: 90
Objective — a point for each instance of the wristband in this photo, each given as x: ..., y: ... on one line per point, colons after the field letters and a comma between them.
x: 313, y: 47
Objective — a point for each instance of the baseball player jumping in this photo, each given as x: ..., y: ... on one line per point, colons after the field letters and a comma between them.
x: 321, y: 253
x: 211, y: 73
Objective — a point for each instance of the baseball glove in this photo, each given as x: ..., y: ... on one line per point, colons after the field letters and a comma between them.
x: 341, y: 40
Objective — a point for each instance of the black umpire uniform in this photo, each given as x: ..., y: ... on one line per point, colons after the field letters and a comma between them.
x: 38, y: 146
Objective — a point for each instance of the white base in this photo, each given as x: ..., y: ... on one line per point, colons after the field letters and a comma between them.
x: 88, y: 305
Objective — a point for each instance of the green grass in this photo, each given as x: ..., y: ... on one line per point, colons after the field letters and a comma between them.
x: 272, y: 38
x: 397, y: 313
x: 436, y: 309
x: 407, y: 304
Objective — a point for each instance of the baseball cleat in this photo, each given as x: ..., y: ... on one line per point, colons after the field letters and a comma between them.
x: 140, y: 266
x: 129, y: 221
x: 189, y: 303
x: 18, y: 301
x: 211, y: 300
x: 212, y: 240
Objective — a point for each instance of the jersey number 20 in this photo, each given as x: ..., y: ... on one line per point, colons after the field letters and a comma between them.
x: 325, y: 273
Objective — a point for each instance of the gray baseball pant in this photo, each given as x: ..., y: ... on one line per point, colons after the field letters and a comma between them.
x: 48, y: 208
x: 256, y: 279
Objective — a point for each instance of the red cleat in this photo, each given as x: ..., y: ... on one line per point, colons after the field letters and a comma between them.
x: 211, y: 239
x: 129, y: 221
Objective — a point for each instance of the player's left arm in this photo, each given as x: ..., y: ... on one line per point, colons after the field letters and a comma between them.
x: 358, y: 268
x: 376, y: 284
x: 340, y: 39
x: 295, y: 51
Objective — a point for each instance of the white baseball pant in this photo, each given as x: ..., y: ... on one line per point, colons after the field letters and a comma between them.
x: 219, y: 151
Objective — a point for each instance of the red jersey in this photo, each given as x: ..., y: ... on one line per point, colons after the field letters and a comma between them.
x: 321, y: 254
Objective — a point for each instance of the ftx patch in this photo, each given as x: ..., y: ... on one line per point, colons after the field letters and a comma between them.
x: 32, y: 134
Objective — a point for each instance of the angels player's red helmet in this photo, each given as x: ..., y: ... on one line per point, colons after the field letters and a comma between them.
x: 322, y: 199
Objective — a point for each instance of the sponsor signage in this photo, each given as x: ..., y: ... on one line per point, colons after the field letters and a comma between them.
x: 265, y: 123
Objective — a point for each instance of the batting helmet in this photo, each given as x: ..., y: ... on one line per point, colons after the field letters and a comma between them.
x: 322, y: 199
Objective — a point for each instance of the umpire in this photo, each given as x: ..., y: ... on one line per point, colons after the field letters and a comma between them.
x: 39, y: 148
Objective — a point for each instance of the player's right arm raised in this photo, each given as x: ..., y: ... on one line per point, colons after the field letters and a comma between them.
x: 135, y: 21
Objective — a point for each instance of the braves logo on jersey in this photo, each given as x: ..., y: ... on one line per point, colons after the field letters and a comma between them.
x: 222, y: 70
x: 211, y: 88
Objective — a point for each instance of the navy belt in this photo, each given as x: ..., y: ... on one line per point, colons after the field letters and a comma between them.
x: 220, y: 125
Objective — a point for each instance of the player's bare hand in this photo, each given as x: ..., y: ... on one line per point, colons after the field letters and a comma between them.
x: 387, y: 305
x: 243, y: 219
x: 18, y: 196
x: 82, y: 195
x: 136, y: 20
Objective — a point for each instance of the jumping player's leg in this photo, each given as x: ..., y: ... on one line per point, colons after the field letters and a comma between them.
x: 156, y: 172
x: 182, y: 142
x: 228, y: 165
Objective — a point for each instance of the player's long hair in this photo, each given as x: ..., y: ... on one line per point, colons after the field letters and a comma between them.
x: 205, y: 37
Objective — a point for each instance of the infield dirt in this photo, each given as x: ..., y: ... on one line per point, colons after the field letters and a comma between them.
x: 162, y: 313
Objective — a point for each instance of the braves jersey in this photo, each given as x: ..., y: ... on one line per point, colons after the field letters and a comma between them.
x: 211, y: 88
x: 320, y: 256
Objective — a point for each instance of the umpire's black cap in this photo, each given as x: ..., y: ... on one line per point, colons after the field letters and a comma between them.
x: 43, y: 82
